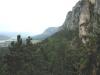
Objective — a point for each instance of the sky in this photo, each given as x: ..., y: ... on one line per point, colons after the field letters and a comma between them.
x: 33, y: 15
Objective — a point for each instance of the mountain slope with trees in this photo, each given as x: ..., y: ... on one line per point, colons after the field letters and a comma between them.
x: 47, y: 33
x: 63, y: 53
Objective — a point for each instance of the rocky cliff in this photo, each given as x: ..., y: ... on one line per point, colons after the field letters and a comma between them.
x: 85, y: 17
x: 72, y: 18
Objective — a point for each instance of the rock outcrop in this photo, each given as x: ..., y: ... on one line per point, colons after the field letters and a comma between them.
x: 84, y: 17
x: 84, y: 20
x: 72, y: 18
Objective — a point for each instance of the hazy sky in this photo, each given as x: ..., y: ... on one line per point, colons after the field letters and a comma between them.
x: 33, y: 15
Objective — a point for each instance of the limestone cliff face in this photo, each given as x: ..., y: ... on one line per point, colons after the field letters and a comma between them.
x: 72, y: 18
x: 84, y: 13
x: 85, y: 17
x: 92, y: 1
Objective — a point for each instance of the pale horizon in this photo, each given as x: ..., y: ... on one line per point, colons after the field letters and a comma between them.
x: 33, y: 15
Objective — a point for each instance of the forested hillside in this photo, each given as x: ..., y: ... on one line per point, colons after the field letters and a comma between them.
x: 73, y: 50
x: 55, y: 55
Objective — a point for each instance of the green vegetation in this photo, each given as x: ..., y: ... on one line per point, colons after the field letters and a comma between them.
x: 61, y: 54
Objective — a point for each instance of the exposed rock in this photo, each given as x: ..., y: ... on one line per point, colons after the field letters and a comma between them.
x: 85, y: 13
x: 72, y: 18
x: 84, y: 17
x: 97, y: 7
x: 92, y: 1
x: 68, y: 21
x: 84, y: 20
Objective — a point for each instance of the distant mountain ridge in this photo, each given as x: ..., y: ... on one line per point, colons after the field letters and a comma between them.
x: 4, y: 37
x: 47, y: 33
x: 12, y: 35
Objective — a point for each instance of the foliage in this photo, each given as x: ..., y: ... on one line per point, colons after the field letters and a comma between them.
x: 60, y: 54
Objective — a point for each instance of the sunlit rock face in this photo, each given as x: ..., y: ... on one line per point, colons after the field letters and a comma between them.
x: 83, y: 33
x: 83, y: 18
x: 84, y: 21
x: 92, y: 1
x: 72, y: 18
x: 68, y: 22
x: 85, y: 13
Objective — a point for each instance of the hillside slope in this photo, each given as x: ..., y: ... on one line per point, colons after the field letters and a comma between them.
x: 47, y: 33
x: 65, y: 50
x: 63, y: 53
